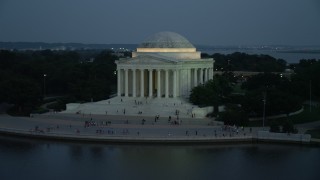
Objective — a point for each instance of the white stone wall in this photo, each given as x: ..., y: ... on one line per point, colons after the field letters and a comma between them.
x: 266, y: 135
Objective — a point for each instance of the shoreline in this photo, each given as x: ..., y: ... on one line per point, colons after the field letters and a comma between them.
x: 122, y: 139
x: 59, y: 137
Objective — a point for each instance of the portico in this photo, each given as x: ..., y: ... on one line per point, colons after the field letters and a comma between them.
x: 140, y: 82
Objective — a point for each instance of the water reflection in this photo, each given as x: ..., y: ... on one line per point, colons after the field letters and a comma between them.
x: 11, y: 144
x: 55, y: 160
x: 76, y: 152
x: 97, y: 152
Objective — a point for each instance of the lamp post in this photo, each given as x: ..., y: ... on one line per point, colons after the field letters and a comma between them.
x: 44, y: 85
x: 264, y: 107
x: 310, y: 93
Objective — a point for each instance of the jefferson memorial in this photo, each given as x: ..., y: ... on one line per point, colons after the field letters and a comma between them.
x: 165, y: 65
x: 159, y: 76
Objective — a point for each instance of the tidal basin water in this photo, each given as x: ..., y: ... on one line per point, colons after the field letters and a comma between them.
x: 51, y: 160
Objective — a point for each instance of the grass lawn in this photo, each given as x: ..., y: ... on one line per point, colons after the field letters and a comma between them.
x: 304, y: 117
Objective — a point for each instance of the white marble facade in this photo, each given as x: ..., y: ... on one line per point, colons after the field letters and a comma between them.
x: 166, y: 65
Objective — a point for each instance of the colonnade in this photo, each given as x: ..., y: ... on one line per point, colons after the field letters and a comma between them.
x: 159, y: 83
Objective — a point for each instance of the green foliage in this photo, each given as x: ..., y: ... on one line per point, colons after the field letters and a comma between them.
x: 307, y: 72
x: 315, y: 133
x: 211, y: 93
x: 305, y: 116
x: 275, y: 89
x: 245, y: 62
x: 264, y: 80
x: 60, y: 103
x: 20, y: 91
x: 234, y: 115
x: 274, y: 126
x: 67, y: 73
x: 39, y: 110
x: 287, y: 127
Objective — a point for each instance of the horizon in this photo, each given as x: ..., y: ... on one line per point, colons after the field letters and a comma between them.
x: 230, y: 22
x: 214, y: 45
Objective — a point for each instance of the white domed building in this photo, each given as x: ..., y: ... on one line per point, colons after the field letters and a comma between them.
x: 165, y: 65
x: 156, y: 80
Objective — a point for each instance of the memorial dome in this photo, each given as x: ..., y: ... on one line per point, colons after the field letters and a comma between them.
x: 166, y: 40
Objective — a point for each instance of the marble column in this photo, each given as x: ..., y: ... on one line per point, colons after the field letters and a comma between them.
x: 119, y: 81
x: 195, y: 77
x: 212, y: 73
x: 201, y: 76
x: 178, y: 82
x: 126, y: 83
x: 134, y: 91
x: 167, y: 83
x: 159, y: 83
x: 150, y: 83
x: 205, y: 75
x: 174, y: 83
x: 141, y: 82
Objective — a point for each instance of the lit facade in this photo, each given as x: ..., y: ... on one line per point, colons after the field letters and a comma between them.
x: 166, y: 65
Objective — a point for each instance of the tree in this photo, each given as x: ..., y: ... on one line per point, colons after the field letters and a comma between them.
x: 246, y: 62
x: 274, y: 127
x: 305, y: 72
x: 279, y: 96
x: 288, y: 127
x: 21, y: 75
x: 234, y: 115
x: 212, y: 92
x: 21, y: 92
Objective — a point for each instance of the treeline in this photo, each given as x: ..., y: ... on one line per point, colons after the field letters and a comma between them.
x: 267, y: 93
x: 27, y: 76
x: 81, y: 76
x: 245, y: 62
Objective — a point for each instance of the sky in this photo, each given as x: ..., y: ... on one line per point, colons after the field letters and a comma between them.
x: 202, y: 22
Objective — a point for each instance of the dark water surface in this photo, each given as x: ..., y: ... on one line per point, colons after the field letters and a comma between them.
x: 35, y: 159
x: 287, y: 56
